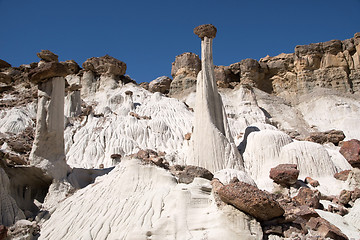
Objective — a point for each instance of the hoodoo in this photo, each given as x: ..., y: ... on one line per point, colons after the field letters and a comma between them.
x: 48, y: 151
x: 212, y: 145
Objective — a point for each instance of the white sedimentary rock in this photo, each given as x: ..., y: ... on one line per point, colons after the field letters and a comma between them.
x: 15, y: 120
x: 212, y: 145
x: 48, y: 151
x: 9, y: 211
x: 137, y: 201
x: 226, y: 175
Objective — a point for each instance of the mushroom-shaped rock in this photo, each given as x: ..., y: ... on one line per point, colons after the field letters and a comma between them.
x: 206, y: 30
x: 251, y: 200
x: 211, y: 128
x: 105, y: 65
x: 285, y: 174
x: 48, y: 56
x: 47, y: 71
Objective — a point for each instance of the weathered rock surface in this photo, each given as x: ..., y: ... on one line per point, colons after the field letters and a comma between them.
x: 160, y: 84
x: 184, y: 71
x: 285, y: 174
x: 47, y: 71
x: 48, y: 56
x: 3, y: 232
x: 332, y: 136
x: 351, y: 151
x: 206, y: 30
x: 251, y: 200
x: 224, y: 76
x: 308, y: 197
x: 105, y: 65
x: 72, y: 66
x: 325, y: 229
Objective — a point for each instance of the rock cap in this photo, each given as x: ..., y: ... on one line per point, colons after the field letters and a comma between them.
x: 48, y: 56
x: 206, y: 30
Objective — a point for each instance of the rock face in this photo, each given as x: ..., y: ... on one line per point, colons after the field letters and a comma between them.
x: 351, y: 151
x: 184, y: 71
x: 251, y: 200
x: 211, y: 129
x: 105, y: 65
x: 160, y: 84
x: 285, y: 174
x: 334, y: 64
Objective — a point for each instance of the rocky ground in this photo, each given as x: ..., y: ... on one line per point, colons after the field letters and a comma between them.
x: 294, y: 119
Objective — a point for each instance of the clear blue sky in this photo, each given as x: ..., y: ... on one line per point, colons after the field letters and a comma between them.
x: 147, y: 35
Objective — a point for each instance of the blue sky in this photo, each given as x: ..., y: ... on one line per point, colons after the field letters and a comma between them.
x: 147, y: 35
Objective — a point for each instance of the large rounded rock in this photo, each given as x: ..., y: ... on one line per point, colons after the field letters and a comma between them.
x: 285, y: 174
x: 47, y: 71
x: 48, y: 56
x: 160, y: 84
x: 351, y: 151
x: 251, y: 200
x: 105, y: 65
x: 308, y: 197
x: 206, y: 30
x: 333, y: 136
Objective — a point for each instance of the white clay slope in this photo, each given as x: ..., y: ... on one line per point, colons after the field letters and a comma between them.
x: 137, y: 201
x: 9, y: 211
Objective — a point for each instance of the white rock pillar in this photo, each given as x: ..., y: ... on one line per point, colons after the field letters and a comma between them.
x: 212, y: 145
x: 48, y: 151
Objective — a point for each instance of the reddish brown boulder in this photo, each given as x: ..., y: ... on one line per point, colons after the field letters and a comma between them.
x: 351, y: 151
x: 308, y: 197
x: 345, y: 197
x: 224, y: 76
x: 312, y: 182
x: 249, y: 199
x: 144, y: 85
x: 48, y: 56
x: 285, y: 174
x: 333, y: 136
x: 47, y: 71
x: 160, y: 84
x: 343, y: 175
x: 325, y: 229
x: 190, y: 172
x: 3, y: 232
x: 187, y: 136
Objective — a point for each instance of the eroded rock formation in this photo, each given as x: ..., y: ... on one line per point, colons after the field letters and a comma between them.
x: 48, y: 152
x: 211, y: 129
